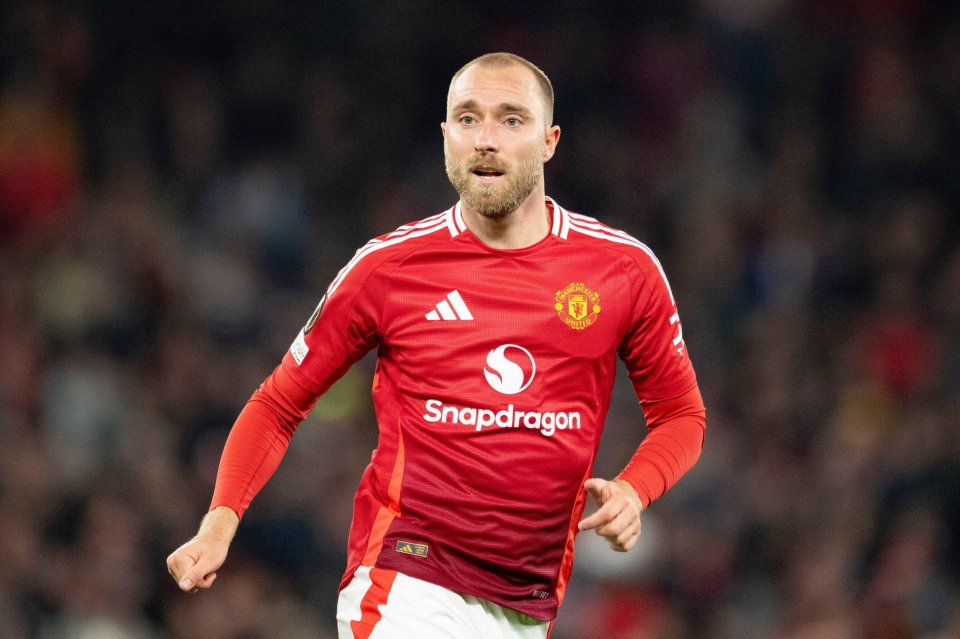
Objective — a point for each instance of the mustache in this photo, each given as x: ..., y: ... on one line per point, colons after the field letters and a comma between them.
x: 486, y: 162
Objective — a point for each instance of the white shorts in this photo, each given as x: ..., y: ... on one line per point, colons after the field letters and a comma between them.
x: 385, y: 604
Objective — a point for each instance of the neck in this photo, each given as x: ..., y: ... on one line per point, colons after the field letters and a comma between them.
x: 526, y: 226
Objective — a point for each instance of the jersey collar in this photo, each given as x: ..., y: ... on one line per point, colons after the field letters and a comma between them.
x: 559, y: 219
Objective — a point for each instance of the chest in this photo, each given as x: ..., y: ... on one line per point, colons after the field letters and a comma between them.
x: 561, y: 308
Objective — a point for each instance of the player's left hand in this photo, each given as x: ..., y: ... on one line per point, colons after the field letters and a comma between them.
x: 618, y: 518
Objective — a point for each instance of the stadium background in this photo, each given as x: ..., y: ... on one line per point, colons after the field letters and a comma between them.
x: 179, y: 181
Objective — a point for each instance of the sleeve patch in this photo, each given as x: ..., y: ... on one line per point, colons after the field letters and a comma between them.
x: 299, y: 349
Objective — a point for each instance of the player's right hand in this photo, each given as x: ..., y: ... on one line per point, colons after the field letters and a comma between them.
x: 194, y: 564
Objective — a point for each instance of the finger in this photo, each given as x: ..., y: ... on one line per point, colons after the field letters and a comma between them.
x: 623, y: 533
x: 620, y: 531
x: 179, y: 563
x: 199, y: 577
x: 186, y: 570
x: 626, y: 539
x: 629, y: 537
x: 615, y: 522
x: 596, y: 488
x: 620, y: 520
x: 203, y: 583
x: 604, y: 515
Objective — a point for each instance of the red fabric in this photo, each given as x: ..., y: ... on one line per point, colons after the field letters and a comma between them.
x: 259, y: 439
x: 671, y: 447
x: 377, y: 595
x: 494, y: 375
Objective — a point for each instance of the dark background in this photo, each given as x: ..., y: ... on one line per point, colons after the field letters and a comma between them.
x: 179, y: 182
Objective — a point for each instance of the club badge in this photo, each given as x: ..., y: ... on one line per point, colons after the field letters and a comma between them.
x: 578, y: 306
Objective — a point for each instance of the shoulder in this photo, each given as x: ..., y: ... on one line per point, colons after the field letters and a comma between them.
x: 589, y: 232
x: 391, y: 248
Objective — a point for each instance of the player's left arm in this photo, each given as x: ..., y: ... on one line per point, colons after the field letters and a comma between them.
x: 671, y: 448
x: 657, y: 360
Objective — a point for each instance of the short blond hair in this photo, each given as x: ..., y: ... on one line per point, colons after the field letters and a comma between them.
x: 503, y: 59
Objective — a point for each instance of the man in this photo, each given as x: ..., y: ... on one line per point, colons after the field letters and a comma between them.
x: 497, y: 325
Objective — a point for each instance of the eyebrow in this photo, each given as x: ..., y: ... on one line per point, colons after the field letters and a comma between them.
x: 504, y: 107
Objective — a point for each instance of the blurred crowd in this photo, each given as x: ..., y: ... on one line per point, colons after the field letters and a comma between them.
x: 180, y: 181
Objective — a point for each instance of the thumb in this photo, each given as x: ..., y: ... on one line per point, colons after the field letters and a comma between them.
x: 199, y: 576
x: 597, y: 489
x: 188, y: 580
x: 191, y: 567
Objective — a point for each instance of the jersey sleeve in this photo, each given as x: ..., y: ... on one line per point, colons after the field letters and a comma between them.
x: 344, y: 327
x: 663, y: 377
x: 653, y: 348
x: 671, y: 448
x: 259, y: 439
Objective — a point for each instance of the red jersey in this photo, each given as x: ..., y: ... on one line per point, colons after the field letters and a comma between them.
x: 493, y: 380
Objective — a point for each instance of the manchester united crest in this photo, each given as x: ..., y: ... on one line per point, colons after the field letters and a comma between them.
x: 578, y: 306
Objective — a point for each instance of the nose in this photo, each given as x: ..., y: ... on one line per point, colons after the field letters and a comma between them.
x: 486, y: 141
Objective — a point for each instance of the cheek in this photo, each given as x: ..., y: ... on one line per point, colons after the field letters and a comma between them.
x: 455, y: 145
x: 537, y: 150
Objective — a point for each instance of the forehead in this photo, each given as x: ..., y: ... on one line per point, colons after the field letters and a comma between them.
x: 491, y: 86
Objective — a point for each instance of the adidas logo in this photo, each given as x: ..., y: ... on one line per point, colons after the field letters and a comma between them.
x: 410, y: 548
x: 452, y: 308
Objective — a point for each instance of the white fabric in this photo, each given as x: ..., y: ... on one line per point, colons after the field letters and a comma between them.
x: 416, y: 608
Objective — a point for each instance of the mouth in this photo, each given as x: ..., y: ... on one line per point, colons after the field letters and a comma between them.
x: 487, y: 173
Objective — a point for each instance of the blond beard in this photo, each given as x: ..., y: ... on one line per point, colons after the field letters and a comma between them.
x: 494, y: 201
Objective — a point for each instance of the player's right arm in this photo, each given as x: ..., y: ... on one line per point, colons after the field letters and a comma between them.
x: 253, y: 451
x: 343, y: 329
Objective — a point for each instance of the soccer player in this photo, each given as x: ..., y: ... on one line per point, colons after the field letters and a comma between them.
x: 497, y: 325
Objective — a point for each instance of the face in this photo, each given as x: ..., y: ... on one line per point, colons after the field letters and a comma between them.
x: 496, y: 139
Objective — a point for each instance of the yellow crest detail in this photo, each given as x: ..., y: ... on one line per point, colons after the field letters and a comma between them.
x: 578, y: 306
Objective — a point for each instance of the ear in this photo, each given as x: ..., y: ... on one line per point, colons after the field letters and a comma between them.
x: 550, y: 141
x: 443, y: 128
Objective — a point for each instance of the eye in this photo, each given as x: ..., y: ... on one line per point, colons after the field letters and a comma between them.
x: 513, y: 121
x: 467, y: 120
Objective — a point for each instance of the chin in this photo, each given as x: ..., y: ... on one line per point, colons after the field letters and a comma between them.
x: 495, y: 215
x: 487, y: 209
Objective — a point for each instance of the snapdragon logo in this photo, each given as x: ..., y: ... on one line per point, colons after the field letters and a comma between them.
x: 508, y: 377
